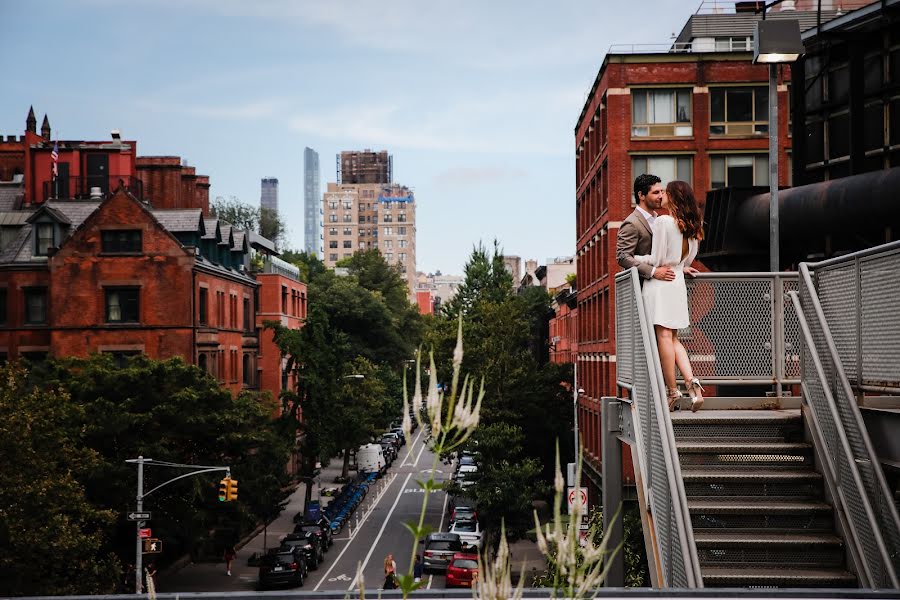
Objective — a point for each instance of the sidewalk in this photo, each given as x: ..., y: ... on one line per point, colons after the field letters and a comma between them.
x: 211, y: 577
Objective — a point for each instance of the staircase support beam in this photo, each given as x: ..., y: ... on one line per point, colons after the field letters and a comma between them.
x: 613, y: 529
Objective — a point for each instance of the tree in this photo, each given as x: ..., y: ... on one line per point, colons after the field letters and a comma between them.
x: 272, y: 227
x: 363, y: 396
x: 43, y: 503
x: 173, y: 411
x: 486, y: 279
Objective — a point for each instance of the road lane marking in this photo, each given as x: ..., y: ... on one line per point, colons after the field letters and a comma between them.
x: 408, y: 454
x: 352, y: 537
x: 440, y: 526
x: 380, y: 532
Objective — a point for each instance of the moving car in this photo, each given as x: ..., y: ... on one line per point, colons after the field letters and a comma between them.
x: 462, y: 570
x: 439, y: 549
x: 468, y: 530
x: 282, y: 567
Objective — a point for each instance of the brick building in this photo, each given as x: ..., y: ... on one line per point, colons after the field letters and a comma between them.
x: 696, y: 111
x: 125, y: 259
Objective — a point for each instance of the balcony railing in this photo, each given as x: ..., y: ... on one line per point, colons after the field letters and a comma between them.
x: 80, y: 188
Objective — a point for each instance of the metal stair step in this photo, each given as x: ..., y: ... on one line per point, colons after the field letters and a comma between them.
x: 738, y: 425
x: 745, y: 454
x: 760, y: 514
x: 769, y: 549
x: 787, y: 483
x: 786, y: 577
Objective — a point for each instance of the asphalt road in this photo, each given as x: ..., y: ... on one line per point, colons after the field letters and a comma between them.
x: 396, y: 499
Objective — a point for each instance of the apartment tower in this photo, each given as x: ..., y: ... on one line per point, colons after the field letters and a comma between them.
x: 268, y: 196
x: 312, y: 204
x: 364, y: 210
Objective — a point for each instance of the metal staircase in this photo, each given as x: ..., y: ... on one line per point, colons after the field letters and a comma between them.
x: 773, y: 491
x: 758, y: 508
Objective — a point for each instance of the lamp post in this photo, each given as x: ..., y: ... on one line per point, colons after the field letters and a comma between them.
x: 775, y: 42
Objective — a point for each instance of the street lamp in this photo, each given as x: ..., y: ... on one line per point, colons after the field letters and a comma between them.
x: 775, y: 42
x: 354, y: 376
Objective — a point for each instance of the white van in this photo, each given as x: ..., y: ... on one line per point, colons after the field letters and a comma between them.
x: 370, y: 459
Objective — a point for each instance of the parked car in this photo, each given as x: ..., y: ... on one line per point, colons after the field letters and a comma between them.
x: 317, y: 530
x: 468, y: 530
x: 281, y: 568
x: 463, y: 511
x: 309, y: 544
x: 466, y: 458
x: 399, y: 432
x: 465, y: 475
x: 439, y: 549
x: 462, y: 570
x: 393, y: 438
x: 390, y: 453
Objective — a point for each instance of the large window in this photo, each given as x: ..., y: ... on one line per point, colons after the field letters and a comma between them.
x: 739, y: 170
x: 667, y: 168
x: 661, y: 112
x: 120, y: 241
x: 43, y: 239
x: 123, y: 305
x: 738, y: 110
x: 35, y: 306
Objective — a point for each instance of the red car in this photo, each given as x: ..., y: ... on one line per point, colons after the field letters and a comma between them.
x: 462, y: 570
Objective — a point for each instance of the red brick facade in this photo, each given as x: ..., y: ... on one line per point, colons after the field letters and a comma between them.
x: 283, y: 300
x: 169, y: 184
x: 607, y: 154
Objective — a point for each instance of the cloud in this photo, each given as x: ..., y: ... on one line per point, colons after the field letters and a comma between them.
x: 477, y: 175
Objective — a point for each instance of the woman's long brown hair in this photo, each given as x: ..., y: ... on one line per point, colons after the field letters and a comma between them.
x: 683, y: 208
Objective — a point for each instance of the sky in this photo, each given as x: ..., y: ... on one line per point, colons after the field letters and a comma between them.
x: 477, y: 100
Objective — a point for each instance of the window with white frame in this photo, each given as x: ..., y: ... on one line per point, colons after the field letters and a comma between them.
x: 332, y: 204
x: 401, y: 230
x: 389, y: 256
x: 388, y: 231
x: 661, y: 112
x: 388, y: 244
x: 348, y: 231
x: 332, y: 231
x: 738, y: 170
x: 667, y: 168
x: 403, y: 243
x: 738, y: 110
x: 332, y: 218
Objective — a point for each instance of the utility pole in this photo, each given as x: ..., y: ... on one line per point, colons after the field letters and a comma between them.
x: 141, y: 518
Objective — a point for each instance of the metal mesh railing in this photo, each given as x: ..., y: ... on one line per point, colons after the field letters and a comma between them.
x: 742, y: 328
x: 852, y: 468
x: 858, y: 294
x: 638, y: 370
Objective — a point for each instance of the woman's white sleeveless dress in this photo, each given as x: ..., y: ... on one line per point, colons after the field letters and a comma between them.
x: 666, y: 301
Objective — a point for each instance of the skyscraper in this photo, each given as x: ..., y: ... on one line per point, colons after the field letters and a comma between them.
x: 312, y: 204
x: 268, y: 197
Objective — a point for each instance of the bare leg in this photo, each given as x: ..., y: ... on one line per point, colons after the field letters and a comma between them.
x: 684, y: 365
x: 665, y: 343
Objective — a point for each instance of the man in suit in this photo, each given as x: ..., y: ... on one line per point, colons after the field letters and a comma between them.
x: 636, y: 232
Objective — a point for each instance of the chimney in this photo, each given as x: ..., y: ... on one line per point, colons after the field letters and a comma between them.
x: 31, y: 121
x: 45, y: 129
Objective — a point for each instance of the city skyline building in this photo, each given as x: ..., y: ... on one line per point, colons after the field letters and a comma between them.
x: 371, y: 216
x: 268, y: 195
x: 365, y: 166
x: 313, y: 239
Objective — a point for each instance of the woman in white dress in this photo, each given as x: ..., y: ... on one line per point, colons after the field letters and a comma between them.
x: 676, y: 237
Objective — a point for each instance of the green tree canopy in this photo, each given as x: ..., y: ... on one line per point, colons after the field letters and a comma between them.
x: 264, y: 221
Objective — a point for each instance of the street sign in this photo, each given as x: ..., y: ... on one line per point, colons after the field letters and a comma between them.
x: 139, y: 516
x: 152, y: 546
x: 145, y: 533
x: 579, y: 495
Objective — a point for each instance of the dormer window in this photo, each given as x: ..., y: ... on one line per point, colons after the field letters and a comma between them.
x: 44, y: 239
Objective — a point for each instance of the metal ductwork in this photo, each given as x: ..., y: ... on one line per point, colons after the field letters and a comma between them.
x: 817, y: 221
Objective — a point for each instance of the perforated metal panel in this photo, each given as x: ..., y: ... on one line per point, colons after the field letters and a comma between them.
x: 731, y: 331
x: 634, y: 360
x: 836, y: 414
x: 837, y: 287
x: 880, y: 319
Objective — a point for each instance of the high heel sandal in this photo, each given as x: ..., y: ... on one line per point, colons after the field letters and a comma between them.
x: 674, y: 396
x: 696, y: 398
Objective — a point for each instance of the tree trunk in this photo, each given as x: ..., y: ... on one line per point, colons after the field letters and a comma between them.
x: 345, y: 472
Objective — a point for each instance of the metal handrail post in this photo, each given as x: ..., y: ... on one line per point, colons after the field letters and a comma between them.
x: 611, y: 465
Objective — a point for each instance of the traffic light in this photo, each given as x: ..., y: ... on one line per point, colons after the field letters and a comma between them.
x: 232, y: 493
x: 223, y: 489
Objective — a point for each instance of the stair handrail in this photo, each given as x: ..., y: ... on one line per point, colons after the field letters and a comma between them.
x: 874, y: 531
x: 666, y: 499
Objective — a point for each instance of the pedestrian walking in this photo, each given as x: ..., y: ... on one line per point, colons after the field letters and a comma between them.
x: 418, y: 568
x: 229, y: 558
x: 390, y: 572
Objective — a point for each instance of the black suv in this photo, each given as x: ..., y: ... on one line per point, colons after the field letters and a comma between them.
x: 315, y: 529
x: 309, y: 544
x: 282, y: 567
